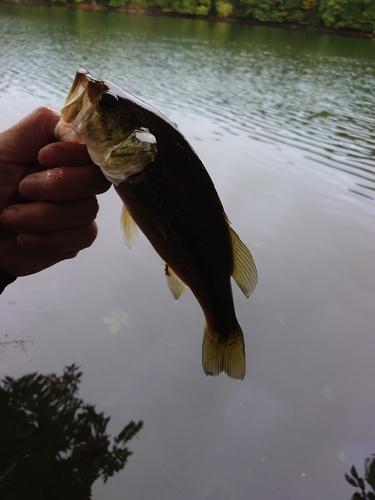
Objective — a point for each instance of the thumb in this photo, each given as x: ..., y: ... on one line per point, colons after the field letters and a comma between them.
x: 21, y: 143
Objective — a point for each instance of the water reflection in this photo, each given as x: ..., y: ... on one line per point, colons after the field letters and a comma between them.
x: 53, y: 444
x: 304, y: 414
x: 306, y: 90
x: 358, y: 482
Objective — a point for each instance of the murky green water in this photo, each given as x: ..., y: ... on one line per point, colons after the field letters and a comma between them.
x: 284, y: 122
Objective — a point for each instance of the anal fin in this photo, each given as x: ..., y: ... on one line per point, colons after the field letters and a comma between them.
x: 175, y: 285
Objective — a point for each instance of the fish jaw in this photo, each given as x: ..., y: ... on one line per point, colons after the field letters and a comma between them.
x: 118, y: 151
x: 75, y: 107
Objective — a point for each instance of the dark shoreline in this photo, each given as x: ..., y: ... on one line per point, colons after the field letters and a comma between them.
x: 231, y: 20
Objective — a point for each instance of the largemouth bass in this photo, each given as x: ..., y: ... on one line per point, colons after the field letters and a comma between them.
x: 169, y: 195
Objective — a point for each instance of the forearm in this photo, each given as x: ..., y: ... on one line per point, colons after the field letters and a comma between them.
x: 5, y: 279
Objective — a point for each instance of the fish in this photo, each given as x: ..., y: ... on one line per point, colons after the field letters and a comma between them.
x: 168, y: 194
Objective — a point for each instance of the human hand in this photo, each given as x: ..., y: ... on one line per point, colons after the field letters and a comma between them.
x: 47, y: 196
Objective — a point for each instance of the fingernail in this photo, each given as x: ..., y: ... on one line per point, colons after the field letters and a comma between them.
x: 10, y: 218
x: 30, y: 187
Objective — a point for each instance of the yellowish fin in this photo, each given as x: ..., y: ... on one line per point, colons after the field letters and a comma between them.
x: 175, y: 285
x: 228, y: 357
x: 244, y: 271
x: 129, y: 227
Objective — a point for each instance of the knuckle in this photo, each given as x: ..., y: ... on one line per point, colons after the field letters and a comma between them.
x: 93, y: 207
x: 92, y: 232
x: 44, y: 111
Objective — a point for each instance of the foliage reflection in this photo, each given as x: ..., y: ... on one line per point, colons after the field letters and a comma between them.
x: 53, y: 445
x: 358, y: 482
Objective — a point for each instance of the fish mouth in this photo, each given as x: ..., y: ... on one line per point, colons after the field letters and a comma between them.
x: 74, y: 101
x: 82, y: 95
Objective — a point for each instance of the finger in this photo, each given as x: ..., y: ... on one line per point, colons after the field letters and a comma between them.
x: 42, y: 217
x: 67, y: 241
x: 25, y: 262
x: 32, y: 132
x: 64, y: 184
x: 18, y: 261
x: 68, y: 154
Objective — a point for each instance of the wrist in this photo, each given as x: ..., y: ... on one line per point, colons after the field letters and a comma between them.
x: 5, y: 279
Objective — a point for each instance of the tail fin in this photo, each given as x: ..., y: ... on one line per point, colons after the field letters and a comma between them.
x: 228, y: 357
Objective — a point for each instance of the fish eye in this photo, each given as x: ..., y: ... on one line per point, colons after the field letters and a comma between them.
x: 108, y: 100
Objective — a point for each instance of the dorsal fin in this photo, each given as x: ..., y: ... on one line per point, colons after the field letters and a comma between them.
x: 244, y: 271
x: 175, y: 285
x: 129, y: 227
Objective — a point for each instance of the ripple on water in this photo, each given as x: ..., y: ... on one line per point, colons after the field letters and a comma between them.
x: 308, y: 99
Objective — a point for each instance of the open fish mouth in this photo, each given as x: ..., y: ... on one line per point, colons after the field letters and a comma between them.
x: 82, y: 95
x: 75, y: 98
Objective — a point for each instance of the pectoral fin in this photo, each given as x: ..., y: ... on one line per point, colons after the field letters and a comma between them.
x: 244, y: 271
x: 176, y: 286
x: 129, y: 227
x: 137, y: 148
x: 126, y: 158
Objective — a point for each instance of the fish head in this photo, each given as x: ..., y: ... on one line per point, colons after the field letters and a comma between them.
x: 111, y: 123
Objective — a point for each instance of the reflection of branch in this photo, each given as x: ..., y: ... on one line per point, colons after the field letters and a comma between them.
x: 358, y: 482
x: 52, y: 444
x: 370, y: 471
x: 16, y: 343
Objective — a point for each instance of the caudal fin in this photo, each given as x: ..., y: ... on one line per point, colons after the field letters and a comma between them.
x: 228, y: 357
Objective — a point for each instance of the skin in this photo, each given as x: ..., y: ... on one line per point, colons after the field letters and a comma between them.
x: 59, y: 182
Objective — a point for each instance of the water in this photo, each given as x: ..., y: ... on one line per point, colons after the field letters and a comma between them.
x: 284, y: 124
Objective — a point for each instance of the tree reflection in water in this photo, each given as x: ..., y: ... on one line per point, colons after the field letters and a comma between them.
x: 52, y: 445
x: 359, y: 482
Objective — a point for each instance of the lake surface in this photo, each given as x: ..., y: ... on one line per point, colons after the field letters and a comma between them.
x: 284, y: 122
